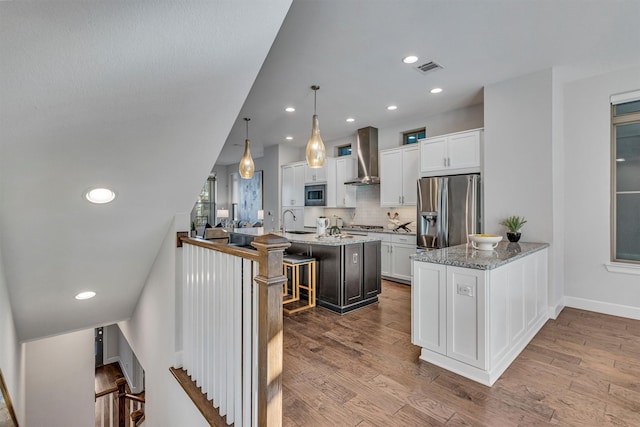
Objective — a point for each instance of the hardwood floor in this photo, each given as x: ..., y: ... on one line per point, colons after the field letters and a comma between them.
x: 361, y: 369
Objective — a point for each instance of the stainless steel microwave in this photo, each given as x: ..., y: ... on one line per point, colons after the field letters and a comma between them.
x: 315, y: 195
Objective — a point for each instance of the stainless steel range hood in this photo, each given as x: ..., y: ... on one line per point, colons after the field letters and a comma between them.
x: 366, y: 150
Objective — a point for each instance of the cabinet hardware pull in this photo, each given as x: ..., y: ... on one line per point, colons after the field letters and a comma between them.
x: 355, y: 258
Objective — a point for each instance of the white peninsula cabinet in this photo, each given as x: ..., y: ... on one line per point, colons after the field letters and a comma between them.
x: 453, y: 153
x: 399, y: 171
x: 473, y: 312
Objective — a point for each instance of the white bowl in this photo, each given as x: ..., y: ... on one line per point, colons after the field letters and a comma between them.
x: 484, y: 242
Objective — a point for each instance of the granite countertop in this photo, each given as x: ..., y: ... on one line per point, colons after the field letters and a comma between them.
x: 344, y: 239
x: 467, y: 257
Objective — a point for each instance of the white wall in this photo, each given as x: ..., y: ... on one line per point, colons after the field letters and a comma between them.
x: 10, y: 349
x: 111, y: 351
x: 59, y: 380
x: 518, y: 159
x: 130, y: 365
x: 587, y: 175
x: 440, y: 124
x: 269, y: 164
x: 151, y: 332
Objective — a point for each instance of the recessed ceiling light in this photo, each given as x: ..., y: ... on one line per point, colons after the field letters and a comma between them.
x: 392, y: 107
x: 289, y: 109
x: 85, y: 295
x: 436, y: 90
x: 351, y: 119
x: 289, y: 138
x: 100, y: 195
x: 620, y: 159
x: 410, y: 59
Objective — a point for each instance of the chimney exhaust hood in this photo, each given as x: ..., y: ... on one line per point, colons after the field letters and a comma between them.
x: 366, y: 150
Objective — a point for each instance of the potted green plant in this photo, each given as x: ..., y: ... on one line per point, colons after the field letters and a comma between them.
x: 514, y: 224
x: 193, y: 229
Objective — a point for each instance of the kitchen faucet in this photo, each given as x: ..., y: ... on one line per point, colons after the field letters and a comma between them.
x: 283, y: 215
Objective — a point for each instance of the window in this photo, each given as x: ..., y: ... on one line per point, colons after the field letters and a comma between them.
x: 412, y: 136
x: 625, y: 178
x: 344, y: 150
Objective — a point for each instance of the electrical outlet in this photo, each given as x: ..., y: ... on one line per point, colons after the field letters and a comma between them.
x: 465, y: 290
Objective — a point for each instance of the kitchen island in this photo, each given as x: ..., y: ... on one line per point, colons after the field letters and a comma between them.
x: 473, y: 311
x: 348, y: 266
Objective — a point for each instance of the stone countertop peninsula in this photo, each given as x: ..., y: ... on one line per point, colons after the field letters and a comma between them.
x: 467, y: 257
x: 313, y: 239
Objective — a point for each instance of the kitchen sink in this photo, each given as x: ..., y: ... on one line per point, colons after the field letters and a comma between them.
x: 300, y: 232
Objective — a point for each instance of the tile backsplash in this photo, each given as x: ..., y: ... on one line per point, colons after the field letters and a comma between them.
x: 368, y: 210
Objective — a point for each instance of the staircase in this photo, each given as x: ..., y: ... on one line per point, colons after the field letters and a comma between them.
x: 117, y: 408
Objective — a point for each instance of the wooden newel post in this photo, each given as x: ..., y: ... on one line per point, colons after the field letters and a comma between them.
x: 122, y: 402
x: 270, y: 281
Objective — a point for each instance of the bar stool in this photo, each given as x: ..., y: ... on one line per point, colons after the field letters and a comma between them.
x: 295, y: 262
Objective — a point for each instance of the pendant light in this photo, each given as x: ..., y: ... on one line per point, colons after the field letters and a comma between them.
x: 316, y: 153
x: 246, y: 162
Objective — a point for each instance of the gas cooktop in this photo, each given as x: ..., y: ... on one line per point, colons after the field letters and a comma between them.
x: 365, y: 227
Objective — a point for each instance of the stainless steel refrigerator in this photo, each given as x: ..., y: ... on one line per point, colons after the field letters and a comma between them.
x: 449, y: 209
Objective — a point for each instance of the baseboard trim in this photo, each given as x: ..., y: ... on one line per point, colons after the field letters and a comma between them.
x: 554, y: 310
x: 603, y: 307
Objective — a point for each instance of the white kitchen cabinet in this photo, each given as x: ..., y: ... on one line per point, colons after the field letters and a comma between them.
x: 429, y: 307
x: 453, y: 153
x: 476, y: 322
x: 345, y: 194
x: 385, y: 252
x: 338, y: 194
x: 395, y: 255
x: 315, y: 175
x: 402, y: 247
x: 293, y: 184
x: 399, y: 171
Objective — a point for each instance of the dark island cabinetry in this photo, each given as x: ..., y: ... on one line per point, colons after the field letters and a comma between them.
x: 348, y: 275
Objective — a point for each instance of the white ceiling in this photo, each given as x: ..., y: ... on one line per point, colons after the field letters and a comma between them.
x: 135, y: 95
x: 141, y: 96
x: 353, y: 50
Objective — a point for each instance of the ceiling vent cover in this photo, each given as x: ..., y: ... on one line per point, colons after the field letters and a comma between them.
x: 428, y: 67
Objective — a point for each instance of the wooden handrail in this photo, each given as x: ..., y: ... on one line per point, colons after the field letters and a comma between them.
x: 246, y: 253
x: 105, y: 392
x: 134, y: 398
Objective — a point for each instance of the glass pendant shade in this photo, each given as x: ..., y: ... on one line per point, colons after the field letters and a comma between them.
x: 246, y: 162
x: 246, y: 166
x: 316, y: 153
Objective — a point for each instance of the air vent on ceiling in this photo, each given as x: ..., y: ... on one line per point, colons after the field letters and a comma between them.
x: 428, y: 67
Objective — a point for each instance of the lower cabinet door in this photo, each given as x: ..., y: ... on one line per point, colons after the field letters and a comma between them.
x: 429, y: 306
x: 401, y: 260
x: 371, y: 269
x: 328, y: 272
x: 352, y: 273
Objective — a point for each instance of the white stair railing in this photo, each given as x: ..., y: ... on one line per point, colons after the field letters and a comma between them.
x: 219, y: 330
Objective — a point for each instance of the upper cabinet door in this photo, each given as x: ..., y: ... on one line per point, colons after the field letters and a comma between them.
x: 464, y: 150
x: 293, y: 184
x: 433, y: 154
x: 391, y: 177
x: 313, y: 175
x: 410, y: 174
x: 455, y: 153
x: 345, y: 194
